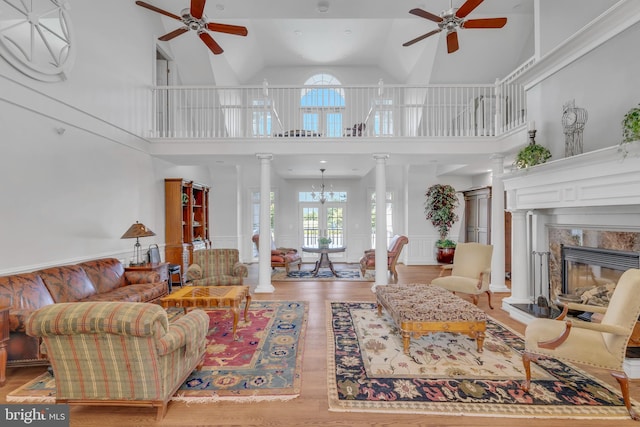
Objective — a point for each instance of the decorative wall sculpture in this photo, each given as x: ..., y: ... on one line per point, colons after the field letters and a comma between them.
x: 573, y: 121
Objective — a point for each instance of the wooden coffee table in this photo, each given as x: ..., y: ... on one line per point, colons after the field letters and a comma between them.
x: 211, y: 296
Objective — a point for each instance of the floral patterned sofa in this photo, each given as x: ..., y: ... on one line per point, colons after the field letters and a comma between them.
x: 97, y: 280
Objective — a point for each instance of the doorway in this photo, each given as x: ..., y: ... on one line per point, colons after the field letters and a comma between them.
x: 323, y: 220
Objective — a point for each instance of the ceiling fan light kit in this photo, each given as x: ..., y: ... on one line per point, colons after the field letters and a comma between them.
x: 453, y: 19
x: 194, y: 19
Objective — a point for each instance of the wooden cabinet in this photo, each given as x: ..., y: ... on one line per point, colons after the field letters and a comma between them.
x: 478, y: 221
x: 477, y: 215
x: 186, y: 220
x: 4, y: 339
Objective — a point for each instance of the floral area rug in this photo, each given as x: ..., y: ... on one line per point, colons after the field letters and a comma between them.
x: 265, y: 363
x: 444, y: 374
x: 344, y: 272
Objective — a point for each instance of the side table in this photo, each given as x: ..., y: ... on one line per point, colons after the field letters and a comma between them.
x: 162, y: 268
x: 4, y: 338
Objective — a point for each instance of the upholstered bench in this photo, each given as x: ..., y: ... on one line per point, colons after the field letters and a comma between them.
x: 419, y: 309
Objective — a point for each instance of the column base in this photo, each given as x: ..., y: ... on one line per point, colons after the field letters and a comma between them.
x: 264, y: 289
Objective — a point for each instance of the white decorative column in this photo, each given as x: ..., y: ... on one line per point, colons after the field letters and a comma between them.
x: 264, y: 247
x: 497, y: 225
x: 519, y: 264
x: 381, y: 221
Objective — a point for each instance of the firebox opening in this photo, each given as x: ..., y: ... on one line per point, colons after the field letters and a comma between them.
x: 589, y: 275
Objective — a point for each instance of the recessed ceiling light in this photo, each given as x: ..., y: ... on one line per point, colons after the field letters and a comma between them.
x: 347, y: 32
x: 297, y: 32
x: 220, y: 6
x: 323, y: 7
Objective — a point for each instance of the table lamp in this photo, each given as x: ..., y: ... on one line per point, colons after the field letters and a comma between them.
x: 136, y: 231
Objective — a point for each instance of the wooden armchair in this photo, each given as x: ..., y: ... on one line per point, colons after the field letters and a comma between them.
x: 602, y: 345
x: 280, y: 257
x: 368, y: 261
x: 119, y: 353
x: 470, y: 271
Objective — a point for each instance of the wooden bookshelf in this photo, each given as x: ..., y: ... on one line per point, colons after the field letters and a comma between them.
x: 186, y: 220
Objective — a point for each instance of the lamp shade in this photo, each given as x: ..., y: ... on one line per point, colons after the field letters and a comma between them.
x: 137, y: 230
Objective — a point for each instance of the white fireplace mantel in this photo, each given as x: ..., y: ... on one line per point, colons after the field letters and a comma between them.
x: 604, y: 177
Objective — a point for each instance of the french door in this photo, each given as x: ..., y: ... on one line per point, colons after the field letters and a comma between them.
x: 323, y: 220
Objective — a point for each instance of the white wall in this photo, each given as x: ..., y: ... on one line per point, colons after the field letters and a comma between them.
x: 602, y: 82
x: 70, y: 196
x: 561, y: 19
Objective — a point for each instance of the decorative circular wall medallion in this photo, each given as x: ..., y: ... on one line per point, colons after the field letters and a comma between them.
x: 36, y: 38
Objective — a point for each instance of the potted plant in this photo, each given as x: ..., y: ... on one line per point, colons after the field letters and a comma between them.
x: 440, y: 208
x: 531, y: 155
x: 630, y: 128
x: 323, y: 242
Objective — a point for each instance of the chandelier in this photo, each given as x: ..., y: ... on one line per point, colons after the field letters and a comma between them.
x: 321, y: 196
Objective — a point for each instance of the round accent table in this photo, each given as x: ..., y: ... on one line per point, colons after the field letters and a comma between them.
x: 323, y: 261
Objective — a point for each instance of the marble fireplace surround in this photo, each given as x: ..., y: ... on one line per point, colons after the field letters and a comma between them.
x: 591, y: 199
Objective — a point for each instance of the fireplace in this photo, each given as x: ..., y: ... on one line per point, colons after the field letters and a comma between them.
x: 590, y: 274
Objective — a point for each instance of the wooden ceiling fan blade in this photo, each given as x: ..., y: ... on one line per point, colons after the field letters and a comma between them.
x: 156, y: 9
x: 422, y: 37
x: 197, y: 8
x: 467, y: 8
x: 228, y: 29
x: 173, y: 34
x: 452, y: 41
x: 485, y: 23
x: 210, y: 42
x: 426, y: 15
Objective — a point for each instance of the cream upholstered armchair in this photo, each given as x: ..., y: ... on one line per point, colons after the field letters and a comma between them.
x: 368, y: 261
x: 470, y: 271
x: 280, y: 257
x: 602, y: 345
x: 215, y: 267
x: 119, y: 353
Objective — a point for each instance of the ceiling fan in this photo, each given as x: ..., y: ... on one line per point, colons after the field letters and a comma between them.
x: 452, y: 19
x: 194, y: 19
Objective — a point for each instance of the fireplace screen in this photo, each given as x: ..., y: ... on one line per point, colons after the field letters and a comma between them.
x: 589, y: 275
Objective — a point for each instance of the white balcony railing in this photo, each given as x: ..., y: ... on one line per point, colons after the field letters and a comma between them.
x: 338, y: 111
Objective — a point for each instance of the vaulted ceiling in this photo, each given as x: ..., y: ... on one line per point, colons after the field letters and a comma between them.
x: 354, y: 33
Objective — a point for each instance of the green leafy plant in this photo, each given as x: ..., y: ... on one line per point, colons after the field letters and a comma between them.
x: 531, y: 155
x: 324, y: 240
x: 446, y: 243
x: 440, y: 208
x: 630, y: 129
x: 631, y: 125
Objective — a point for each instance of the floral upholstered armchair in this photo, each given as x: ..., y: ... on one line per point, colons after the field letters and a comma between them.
x: 119, y: 353
x: 280, y: 257
x: 215, y: 267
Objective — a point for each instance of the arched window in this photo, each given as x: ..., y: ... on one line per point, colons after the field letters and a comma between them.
x: 322, y: 102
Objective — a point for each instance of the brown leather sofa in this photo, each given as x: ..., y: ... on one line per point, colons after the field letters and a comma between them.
x: 97, y: 280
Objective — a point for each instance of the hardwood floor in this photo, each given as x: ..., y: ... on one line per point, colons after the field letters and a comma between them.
x: 311, y: 408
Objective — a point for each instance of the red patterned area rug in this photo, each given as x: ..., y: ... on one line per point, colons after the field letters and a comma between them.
x: 445, y: 375
x: 265, y: 363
